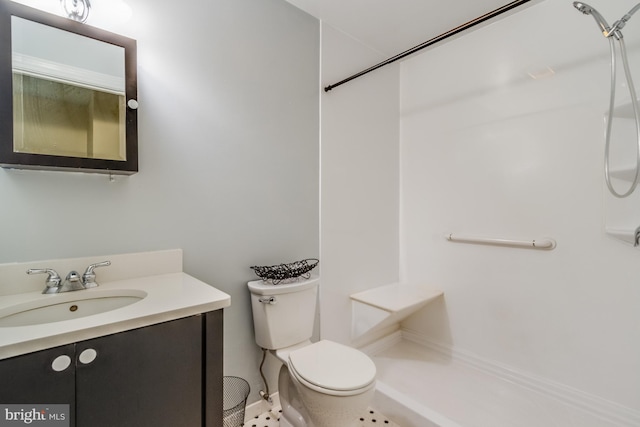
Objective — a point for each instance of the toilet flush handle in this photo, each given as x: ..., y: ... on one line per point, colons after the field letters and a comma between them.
x: 268, y: 300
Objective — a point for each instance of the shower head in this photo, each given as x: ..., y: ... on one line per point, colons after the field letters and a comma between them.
x: 588, y: 10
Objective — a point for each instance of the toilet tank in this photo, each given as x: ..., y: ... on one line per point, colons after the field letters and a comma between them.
x: 288, y: 318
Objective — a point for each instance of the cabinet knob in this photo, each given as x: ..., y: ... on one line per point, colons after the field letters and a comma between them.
x: 88, y: 356
x: 61, y: 363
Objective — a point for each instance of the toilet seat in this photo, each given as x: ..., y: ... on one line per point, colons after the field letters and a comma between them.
x: 332, y: 368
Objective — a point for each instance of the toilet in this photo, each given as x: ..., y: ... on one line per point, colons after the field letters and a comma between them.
x: 322, y: 384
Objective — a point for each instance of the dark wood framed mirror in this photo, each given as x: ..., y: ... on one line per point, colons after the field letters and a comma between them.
x: 68, y: 94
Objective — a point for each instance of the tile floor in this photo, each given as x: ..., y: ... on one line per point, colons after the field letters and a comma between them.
x: 270, y: 419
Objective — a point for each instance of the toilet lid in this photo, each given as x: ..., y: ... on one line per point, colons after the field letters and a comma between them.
x: 333, y: 366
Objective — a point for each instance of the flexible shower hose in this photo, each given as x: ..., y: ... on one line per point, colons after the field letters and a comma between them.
x: 634, y: 103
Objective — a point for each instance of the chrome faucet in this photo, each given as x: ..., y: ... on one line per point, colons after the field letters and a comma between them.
x: 73, y: 281
x: 53, y: 279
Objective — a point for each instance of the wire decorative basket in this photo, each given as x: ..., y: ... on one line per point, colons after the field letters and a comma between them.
x: 277, y: 274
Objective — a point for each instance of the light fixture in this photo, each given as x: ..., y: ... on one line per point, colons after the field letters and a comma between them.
x: 78, y: 10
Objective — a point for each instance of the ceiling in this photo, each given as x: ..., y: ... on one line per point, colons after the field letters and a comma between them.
x: 393, y: 26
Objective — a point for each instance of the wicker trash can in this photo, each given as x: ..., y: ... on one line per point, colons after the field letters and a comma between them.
x: 235, y: 393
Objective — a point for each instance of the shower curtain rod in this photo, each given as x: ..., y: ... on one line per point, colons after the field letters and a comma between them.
x: 507, y: 7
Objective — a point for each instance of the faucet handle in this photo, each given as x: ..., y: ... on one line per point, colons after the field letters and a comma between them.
x: 53, y: 280
x: 89, y: 277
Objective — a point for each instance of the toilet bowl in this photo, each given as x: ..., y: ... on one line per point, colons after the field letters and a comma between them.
x: 325, y: 384
x: 322, y: 384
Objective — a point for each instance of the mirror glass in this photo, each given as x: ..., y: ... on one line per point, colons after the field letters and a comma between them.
x: 68, y: 93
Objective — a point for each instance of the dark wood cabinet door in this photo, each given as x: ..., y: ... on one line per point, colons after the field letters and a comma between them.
x: 31, y: 378
x: 145, y: 377
x: 213, y: 370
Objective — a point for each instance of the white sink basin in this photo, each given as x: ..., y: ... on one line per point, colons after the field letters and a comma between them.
x: 67, y: 306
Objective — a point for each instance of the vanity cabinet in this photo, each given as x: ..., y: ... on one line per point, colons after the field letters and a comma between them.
x: 168, y: 374
x: 31, y: 379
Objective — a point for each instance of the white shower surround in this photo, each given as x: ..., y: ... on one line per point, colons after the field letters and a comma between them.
x: 487, y: 149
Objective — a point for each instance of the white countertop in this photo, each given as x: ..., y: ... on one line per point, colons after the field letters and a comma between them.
x: 169, y: 296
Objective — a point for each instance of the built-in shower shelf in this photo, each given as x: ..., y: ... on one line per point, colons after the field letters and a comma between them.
x: 624, y: 174
x: 385, y: 306
x: 624, y: 111
x: 627, y: 235
x: 396, y: 298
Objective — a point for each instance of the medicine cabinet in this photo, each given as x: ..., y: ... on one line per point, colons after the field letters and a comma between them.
x: 68, y: 94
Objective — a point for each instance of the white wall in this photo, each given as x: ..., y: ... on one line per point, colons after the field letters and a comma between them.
x: 359, y: 179
x: 229, y: 157
x: 488, y: 150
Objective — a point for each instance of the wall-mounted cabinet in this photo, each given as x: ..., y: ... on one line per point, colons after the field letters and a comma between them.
x: 67, y: 94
